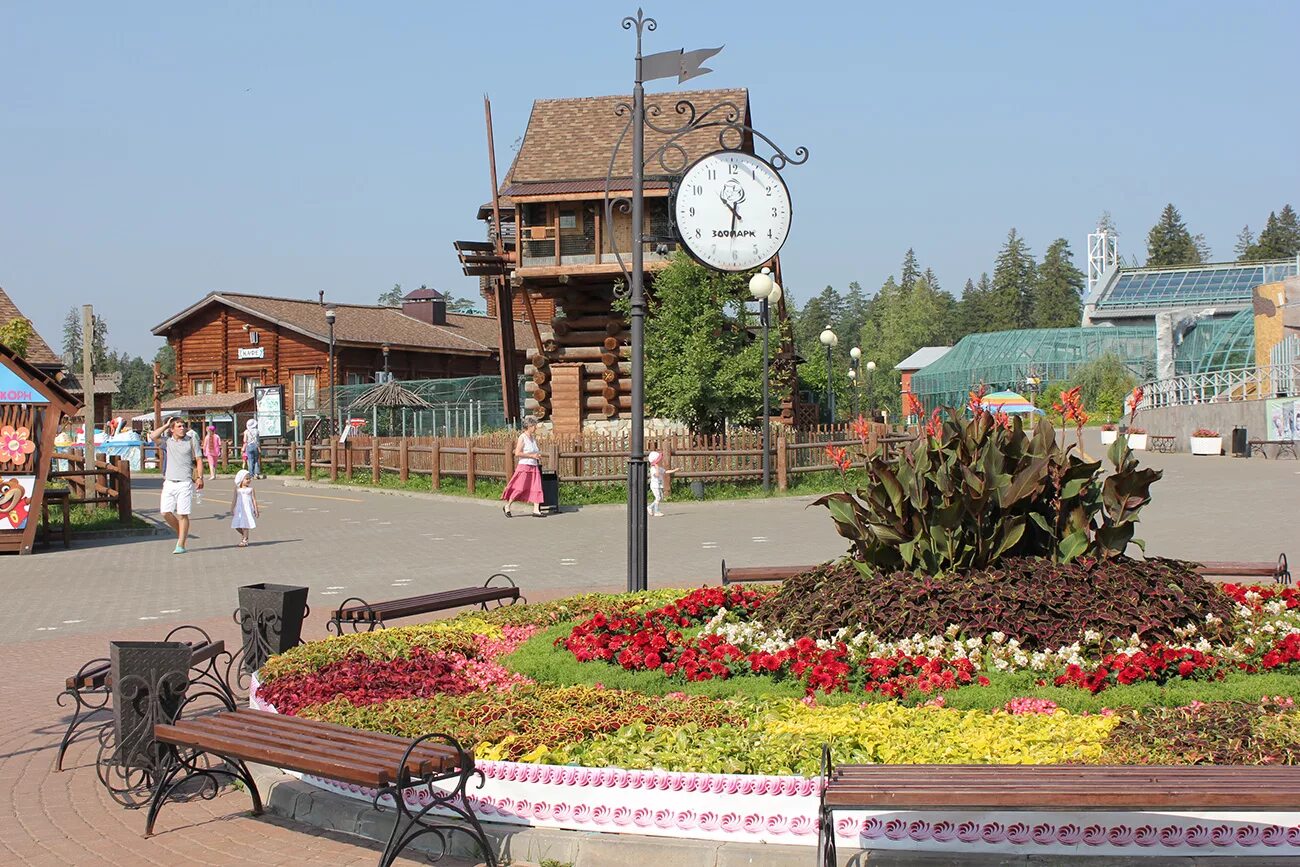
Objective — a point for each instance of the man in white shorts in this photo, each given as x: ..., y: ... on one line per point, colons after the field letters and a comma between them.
x: 182, y: 474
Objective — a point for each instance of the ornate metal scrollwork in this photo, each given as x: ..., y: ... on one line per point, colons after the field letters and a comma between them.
x: 87, y: 702
x: 413, y: 824
x: 131, y: 763
x: 336, y: 624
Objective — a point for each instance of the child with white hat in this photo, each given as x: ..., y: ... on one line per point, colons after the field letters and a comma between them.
x: 658, y: 475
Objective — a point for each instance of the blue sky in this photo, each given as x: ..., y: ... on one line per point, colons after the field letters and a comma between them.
x: 152, y: 152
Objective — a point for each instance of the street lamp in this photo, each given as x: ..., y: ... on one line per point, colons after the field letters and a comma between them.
x: 330, y: 315
x: 829, y: 340
x: 765, y: 291
x: 385, y: 348
x: 871, y: 370
x: 855, y: 356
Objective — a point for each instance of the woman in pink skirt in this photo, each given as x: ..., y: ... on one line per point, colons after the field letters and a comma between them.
x: 526, y: 483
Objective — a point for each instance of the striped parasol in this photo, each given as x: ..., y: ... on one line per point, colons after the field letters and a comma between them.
x: 1009, y: 402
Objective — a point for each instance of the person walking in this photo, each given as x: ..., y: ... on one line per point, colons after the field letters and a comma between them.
x: 182, y: 476
x: 211, y: 450
x: 244, y: 510
x: 526, y: 482
x: 252, y: 450
x: 658, y: 476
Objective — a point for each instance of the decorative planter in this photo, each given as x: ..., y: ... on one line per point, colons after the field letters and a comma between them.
x: 270, y: 617
x: 1207, y: 445
x: 1109, y: 436
x: 1137, y: 442
x: 149, y: 683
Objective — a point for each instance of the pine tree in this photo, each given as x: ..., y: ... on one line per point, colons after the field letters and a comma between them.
x: 1169, y: 242
x: 1058, y: 288
x: 911, y: 271
x: 1013, y: 283
x: 1106, y: 223
x: 72, y: 341
x: 974, y: 311
x: 1245, y: 240
x: 930, y: 278
x: 1203, y: 251
x: 391, y: 298
x: 1280, y: 238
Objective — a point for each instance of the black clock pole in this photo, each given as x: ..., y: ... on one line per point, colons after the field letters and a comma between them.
x: 637, y: 558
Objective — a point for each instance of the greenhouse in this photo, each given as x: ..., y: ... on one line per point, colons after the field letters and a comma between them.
x: 1007, y: 359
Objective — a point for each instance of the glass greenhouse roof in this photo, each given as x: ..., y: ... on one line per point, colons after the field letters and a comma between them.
x: 1229, y: 283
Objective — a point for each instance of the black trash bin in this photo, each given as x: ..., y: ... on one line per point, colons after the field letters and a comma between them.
x: 550, y: 491
x: 1240, y: 443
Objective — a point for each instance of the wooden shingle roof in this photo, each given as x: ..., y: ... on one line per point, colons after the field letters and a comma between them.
x: 38, y: 351
x: 365, y: 324
x: 567, y: 145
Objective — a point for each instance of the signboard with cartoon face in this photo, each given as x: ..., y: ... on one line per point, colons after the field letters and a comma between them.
x: 16, y: 501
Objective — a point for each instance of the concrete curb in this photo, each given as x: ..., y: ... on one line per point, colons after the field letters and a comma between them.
x: 292, y: 799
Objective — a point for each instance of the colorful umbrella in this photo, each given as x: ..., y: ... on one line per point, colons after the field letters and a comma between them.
x: 1008, y: 402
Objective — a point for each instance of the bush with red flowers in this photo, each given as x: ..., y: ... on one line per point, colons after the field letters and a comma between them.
x: 1262, y: 594
x: 1285, y: 652
x: 1157, y: 664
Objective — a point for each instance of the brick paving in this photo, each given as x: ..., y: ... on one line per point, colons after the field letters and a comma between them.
x: 64, y: 606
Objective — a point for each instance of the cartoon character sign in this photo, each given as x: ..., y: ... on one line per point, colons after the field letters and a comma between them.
x: 15, y: 501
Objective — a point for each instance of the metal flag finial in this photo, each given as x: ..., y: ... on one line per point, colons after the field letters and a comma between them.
x: 684, y: 65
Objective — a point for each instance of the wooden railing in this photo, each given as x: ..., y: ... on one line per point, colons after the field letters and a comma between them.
x: 594, y: 460
x: 109, y: 483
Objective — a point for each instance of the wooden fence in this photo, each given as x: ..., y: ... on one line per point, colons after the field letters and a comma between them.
x: 736, y: 456
x: 109, y: 483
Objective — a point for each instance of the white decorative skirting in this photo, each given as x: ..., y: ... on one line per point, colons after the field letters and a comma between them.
x: 783, y: 810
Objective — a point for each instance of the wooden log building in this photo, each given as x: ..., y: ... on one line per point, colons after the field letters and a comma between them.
x: 556, y: 249
x: 227, y: 343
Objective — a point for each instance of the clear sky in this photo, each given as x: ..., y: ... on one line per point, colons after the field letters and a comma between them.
x: 152, y: 152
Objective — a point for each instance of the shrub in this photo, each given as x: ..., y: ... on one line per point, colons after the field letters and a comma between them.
x: 973, y: 492
x: 1104, y: 383
x: 1218, y: 733
x: 1045, y: 605
x: 521, y: 721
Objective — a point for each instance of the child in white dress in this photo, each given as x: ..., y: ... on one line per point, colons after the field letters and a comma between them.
x: 244, y: 510
x: 658, y: 475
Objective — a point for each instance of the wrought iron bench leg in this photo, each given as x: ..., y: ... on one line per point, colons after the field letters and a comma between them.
x: 488, y: 583
x: 826, y: 855
x: 83, y: 711
x: 413, y: 824
x: 178, y: 770
x: 374, y: 622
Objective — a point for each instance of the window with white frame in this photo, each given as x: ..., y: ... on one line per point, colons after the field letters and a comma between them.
x: 304, y: 392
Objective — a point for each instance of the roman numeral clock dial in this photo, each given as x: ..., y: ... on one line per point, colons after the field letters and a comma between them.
x: 732, y: 211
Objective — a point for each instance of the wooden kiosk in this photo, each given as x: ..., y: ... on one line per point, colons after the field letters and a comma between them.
x: 31, y: 406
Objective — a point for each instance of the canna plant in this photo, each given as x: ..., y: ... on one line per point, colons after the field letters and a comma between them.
x: 969, y: 492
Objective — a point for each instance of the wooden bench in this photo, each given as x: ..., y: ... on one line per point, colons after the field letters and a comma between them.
x: 760, y: 574
x: 1162, y: 443
x: 1278, y: 571
x: 1049, y: 787
x: 375, y: 615
x: 388, y: 764
x: 61, y: 498
x: 91, y: 687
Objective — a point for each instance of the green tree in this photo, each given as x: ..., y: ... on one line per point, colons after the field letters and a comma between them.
x: 17, y: 334
x: 1280, y: 238
x: 391, y: 298
x: 975, y: 311
x: 136, y: 388
x: 460, y: 305
x: 1058, y: 288
x: 165, y: 358
x: 933, y: 280
x: 702, y: 366
x: 911, y: 270
x: 1104, y: 384
x: 1245, y: 241
x: 1170, y: 243
x: 1013, y: 285
x: 72, y: 341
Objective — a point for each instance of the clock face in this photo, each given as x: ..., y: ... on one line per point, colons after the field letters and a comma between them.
x: 732, y: 211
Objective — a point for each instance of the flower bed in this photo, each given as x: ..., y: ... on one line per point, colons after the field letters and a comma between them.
x: 556, y: 697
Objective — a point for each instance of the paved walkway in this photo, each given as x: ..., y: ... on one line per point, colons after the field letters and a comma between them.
x: 64, y: 606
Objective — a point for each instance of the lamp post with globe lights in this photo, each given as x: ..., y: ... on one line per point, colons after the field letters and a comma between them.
x: 871, y: 371
x: 765, y: 291
x: 330, y: 315
x: 855, y: 356
x: 829, y: 340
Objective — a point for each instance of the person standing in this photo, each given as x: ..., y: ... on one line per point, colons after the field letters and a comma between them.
x: 252, y: 450
x: 658, y: 476
x: 211, y: 450
x: 244, y: 510
x: 526, y: 482
x: 182, y: 476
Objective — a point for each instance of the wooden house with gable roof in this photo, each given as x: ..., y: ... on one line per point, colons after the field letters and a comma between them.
x: 557, y: 249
